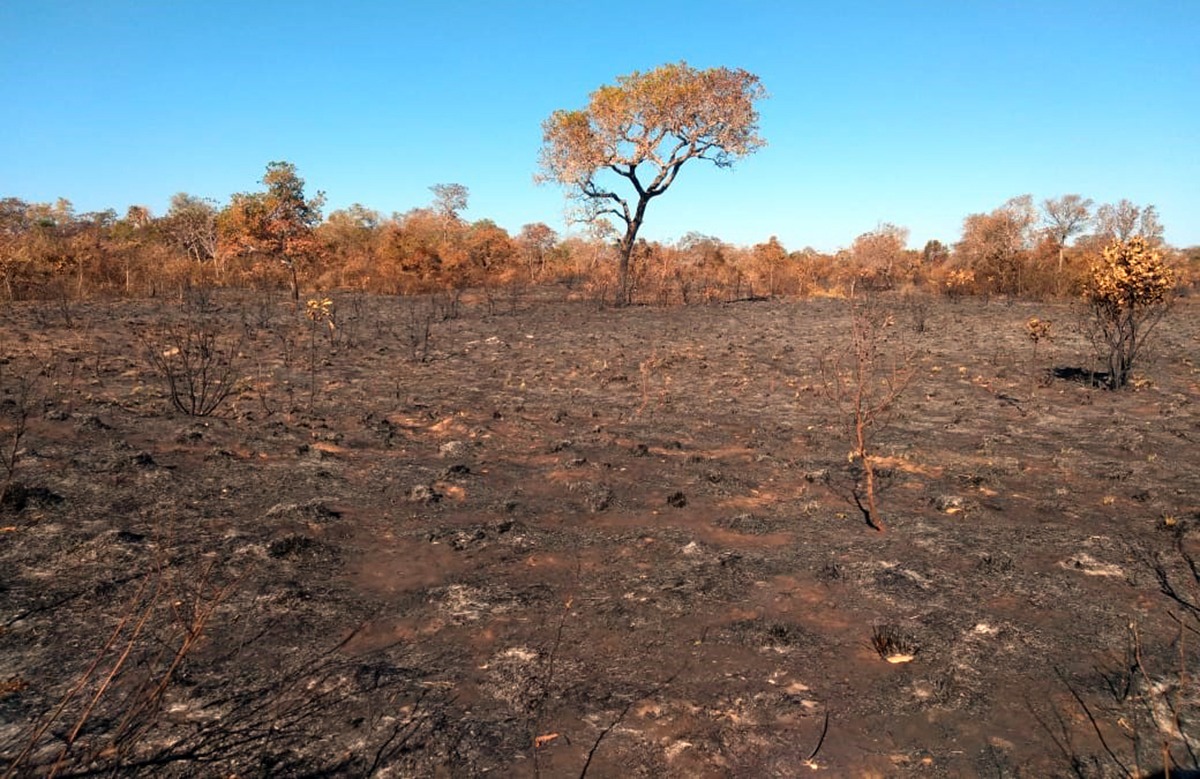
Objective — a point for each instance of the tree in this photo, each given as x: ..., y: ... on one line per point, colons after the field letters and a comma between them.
x: 291, y: 217
x: 935, y: 253
x: 489, y: 258
x: 934, y: 258
x: 349, y: 239
x: 994, y: 246
x: 278, y: 222
x: 1123, y: 220
x: 133, y: 241
x: 876, y: 255
x: 416, y: 250
x: 138, y: 216
x: 39, y: 246
x: 87, y: 246
x: 16, y: 225
x: 449, y: 200
x: 770, y: 258
x: 1128, y: 293
x: 706, y: 260
x: 1064, y: 217
x: 488, y: 250
x: 642, y: 130
x: 191, y: 226
x: 536, y: 240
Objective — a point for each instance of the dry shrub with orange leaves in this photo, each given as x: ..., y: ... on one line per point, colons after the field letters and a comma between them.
x: 1128, y: 292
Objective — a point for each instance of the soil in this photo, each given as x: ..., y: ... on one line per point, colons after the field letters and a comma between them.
x: 560, y: 540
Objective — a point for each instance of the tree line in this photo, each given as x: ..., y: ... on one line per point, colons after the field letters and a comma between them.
x: 280, y: 237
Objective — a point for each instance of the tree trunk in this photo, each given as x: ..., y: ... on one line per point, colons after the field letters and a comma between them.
x: 860, y: 437
x: 295, y: 283
x: 1058, y: 279
x: 623, y: 267
x: 627, y: 244
x: 623, y: 263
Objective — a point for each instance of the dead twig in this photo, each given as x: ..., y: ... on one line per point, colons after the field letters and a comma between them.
x: 625, y: 711
x: 820, y: 741
x: 1092, y: 719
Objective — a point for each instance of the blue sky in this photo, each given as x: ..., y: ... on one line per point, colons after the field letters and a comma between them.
x: 916, y: 113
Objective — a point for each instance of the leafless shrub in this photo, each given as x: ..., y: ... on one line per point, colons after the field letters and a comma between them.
x: 258, y: 308
x: 198, y: 297
x: 196, y: 359
x: 447, y: 303
x: 112, y: 705
x: 1142, y: 707
x: 917, y: 307
x: 647, y: 369
x: 15, y: 408
x: 287, y: 346
x: 418, y: 325
x: 355, y: 313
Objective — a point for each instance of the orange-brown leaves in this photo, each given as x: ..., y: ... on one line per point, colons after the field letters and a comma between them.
x: 1131, y: 274
x: 1038, y: 330
x: 662, y: 117
x: 278, y: 223
x: 1129, y: 291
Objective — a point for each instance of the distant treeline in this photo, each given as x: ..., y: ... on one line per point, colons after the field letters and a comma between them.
x: 280, y: 237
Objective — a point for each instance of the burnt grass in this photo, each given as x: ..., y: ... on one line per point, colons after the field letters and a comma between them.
x: 560, y: 540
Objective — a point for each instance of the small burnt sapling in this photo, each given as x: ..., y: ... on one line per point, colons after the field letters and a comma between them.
x: 16, y: 403
x: 865, y: 379
x: 1037, y: 330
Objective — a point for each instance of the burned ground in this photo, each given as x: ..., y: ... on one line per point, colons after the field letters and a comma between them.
x: 558, y: 540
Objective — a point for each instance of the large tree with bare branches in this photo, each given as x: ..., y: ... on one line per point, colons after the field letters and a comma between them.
x: 1065, y: 217
x: 639, y: 132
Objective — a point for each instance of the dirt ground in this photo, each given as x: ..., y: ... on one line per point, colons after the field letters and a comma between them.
x: 556, y: 540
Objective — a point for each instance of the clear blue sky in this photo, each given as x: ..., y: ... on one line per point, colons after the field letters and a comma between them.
x: 916, y: 113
